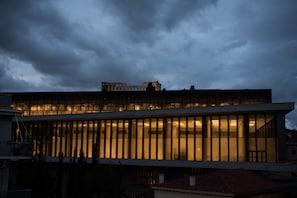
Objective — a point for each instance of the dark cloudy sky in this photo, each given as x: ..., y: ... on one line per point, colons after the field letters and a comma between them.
x: 67, y: 45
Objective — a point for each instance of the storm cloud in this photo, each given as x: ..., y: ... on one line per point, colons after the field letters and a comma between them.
x: 74, y: 45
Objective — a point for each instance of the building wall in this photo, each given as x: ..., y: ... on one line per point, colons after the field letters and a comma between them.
x: 292, y: 152
x: 5, y: 136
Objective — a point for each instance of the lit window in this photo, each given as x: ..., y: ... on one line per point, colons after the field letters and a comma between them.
x: 252, y: 123
x: 233, y: 123
x: 215, y: 122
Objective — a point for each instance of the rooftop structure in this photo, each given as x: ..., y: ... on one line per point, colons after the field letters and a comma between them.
x: 222, y: 183
x: 119, y: 86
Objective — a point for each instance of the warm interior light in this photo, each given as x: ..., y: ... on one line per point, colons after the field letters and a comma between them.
x: 160, y: 124
x: 252, y: 123
x: 224, y: 104
x: 137, y: 107
x: 182, y: 124
x: 215, y: 122
x: 233, y: 123
x: 198, y: 123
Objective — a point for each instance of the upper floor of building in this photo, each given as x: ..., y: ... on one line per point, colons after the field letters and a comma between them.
x: 56, y: 103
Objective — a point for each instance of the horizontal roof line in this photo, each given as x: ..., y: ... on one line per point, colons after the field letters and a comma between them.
x: 9, y: 112
x: 280, y: 167
x: 162, y: 91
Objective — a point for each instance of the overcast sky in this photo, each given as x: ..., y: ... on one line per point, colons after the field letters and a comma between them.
x: 74, y: 45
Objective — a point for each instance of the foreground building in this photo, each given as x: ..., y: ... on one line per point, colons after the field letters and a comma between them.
x: 187, y: 125
x: 9, y: 149
x: 146, y: 133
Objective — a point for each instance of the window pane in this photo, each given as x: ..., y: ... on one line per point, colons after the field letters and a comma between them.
x: 223, y: 136
x: 233, y: 138
x: 168, y: 139
x: 215, y: 137
x: 175, y: 143
x: 241, y: 139
x: 207, y: 139
x: 183, y: 134
x: 132, y: 128
x: 160, y: 139
x: 146, y: 138
x: 198, y: 138
x: 139, y: 138
x: 190, y: 141
x: 153, y: 135
x: 271, y: 138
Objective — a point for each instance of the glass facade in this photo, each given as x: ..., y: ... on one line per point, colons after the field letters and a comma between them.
x: 223, y: 138
x: 235, y: 126
x: 55, y: 103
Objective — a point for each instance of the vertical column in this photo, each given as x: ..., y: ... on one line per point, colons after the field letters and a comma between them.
x: 187, y: 137
x: 139, y: 133
x: 171, y: 140
x: 150, y: 129
x: 157, y: 137
x: 55, y: 144
x: 81, y: 146
x: 104, y: 138
x: 98, y: 137
x: 117, y: 140
x: 86, y: 140
x: 76, y: 151
x: 132, y: 139
x: 280, y: 132
x: 265, y: 138
x: 205, y: 143
x: 66, y: 139
x: 110, y: 138
x: 246, y: 135
x: 195, y: 131
x: 129, y: 138
x: 219, y: 140
x: 164, y: 137
x: 142, y: 132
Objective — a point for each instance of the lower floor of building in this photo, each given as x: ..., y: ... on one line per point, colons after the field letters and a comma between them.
x: 230, y: 138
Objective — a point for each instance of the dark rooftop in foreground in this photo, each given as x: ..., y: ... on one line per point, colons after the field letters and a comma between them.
x: 238, y: 182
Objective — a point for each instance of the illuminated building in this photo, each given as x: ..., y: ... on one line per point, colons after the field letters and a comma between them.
x: 187, y: 125
x: 151, y: 132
